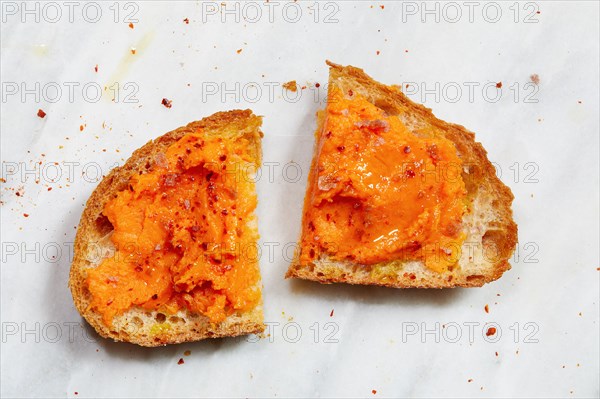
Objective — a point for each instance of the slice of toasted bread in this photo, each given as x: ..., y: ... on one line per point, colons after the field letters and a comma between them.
x: 151, y: 327
x: 490, y: 231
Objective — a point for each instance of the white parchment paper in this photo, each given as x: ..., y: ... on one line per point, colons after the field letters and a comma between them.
x: 541, y: 132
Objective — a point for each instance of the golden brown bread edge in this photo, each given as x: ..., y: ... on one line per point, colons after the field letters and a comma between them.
x: 137, y: 325
x: 489, y: 218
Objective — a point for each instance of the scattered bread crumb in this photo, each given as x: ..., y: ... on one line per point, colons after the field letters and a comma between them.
x: 291, y: 86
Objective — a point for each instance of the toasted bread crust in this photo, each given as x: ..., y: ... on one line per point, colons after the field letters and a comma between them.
x: 490, y: 203
x: 133, y: 326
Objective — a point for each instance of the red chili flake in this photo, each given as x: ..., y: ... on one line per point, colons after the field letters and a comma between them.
x: 486, y: 308
x: 96, y: 68
x: 26, y: 215
x: 167, y: 103
x: 490, y: 331
x: 432, y: 150
x: 317, y: 85
x: 378, y: 52
x: 407, y: 149
x: 410, y: 173
x: 49, y: 188
x: 496, y: 354
x: 538, y: 12
x: 130, y: 25
x: 187, y: 21
x: 470, y: 380
x: 406, y: 51
x: 81, y: 128
x: 535, y: 78
x: 239, y: 51
x: 374, y: 391
x: 41, y: 113
x: 499, y: 85
x: 331, y: 314
x: 180, y: 361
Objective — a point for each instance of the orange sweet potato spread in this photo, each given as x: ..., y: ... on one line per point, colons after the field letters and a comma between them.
x: 379, y: 192
x: 181, y: 235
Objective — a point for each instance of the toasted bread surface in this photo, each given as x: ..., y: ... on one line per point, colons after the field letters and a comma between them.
x: 491, y: 233
x: 93, y: 244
